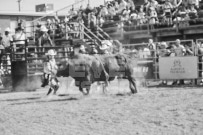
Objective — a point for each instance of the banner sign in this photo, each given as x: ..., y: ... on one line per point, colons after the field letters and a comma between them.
x: 143, y: 69
x: 178, y: 67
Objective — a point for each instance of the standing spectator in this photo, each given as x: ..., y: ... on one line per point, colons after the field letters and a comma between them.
x: 126, y: 14
x: 167, y: 7
x: 92, y: 22
x: 122, y: 6
x: 7, y: 39
x: 141, y: 17
x: 88, y: 9
x: 45, y: 39
x: 1, y: 50
x: 179, y: 51
x: 146, y: 6
x: 130, y: 4
x: 49, y: 26
x: 152, y: 47
x: 152, y: 17
x: 103, y: 12
x: 153, y: 4
x: 111, y: 11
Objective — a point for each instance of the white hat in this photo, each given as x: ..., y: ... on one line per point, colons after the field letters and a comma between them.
x: 104, y: 47
x: 51, y: 52
x: 44, y: 29
x: 82, y: 47
x: 107, y: 42
x: 8, y: 29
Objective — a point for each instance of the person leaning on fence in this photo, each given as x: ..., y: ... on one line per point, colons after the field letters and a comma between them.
x: 179, y: 51
x: 152, y: 47
x: 50, y: 70
x: 19, y: 39
x: 44, y: 39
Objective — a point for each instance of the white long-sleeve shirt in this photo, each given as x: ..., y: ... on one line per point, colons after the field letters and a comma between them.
x: 50, y: 67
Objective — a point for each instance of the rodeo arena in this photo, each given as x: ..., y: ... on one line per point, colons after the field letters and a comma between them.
x: 126, y: 67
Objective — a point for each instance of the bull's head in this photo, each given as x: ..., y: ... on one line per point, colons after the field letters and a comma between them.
x: 63, y: 69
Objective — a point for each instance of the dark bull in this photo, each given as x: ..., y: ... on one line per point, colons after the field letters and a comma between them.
x: 86, y: 69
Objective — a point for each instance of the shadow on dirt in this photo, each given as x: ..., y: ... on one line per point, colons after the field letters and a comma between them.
x: 21, y: 99
x: 123, y: 94
x: 47, y: 101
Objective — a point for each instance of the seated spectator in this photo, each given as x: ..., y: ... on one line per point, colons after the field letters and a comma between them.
x: 192, y: 12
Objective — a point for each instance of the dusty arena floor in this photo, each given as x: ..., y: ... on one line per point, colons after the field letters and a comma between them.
x: 154, y: 111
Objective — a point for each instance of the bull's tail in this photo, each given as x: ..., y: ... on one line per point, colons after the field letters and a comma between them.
x: 103, y: 68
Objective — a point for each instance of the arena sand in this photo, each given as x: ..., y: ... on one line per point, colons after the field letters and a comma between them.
x: 153, y: 111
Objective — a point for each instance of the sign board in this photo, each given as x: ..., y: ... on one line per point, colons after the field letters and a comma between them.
x: 178, y: 67
x: 40, y: 8
x: 143, y: 69
x: 44, y: 7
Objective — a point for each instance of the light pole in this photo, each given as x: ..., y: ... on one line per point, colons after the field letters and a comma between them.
x: 19, y: 4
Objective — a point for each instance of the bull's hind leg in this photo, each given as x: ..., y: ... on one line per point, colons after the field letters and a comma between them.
x: 132, y: 83
x: 50, y: 90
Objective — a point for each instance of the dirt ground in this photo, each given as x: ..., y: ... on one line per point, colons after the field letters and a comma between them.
x: 153, y: 111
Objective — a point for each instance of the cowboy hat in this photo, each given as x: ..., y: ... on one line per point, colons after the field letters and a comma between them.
x: 82, y: 47
x: 93, y: 46
x: 51, y: 52
x: 107, y: 42
x: 2, y: 47
x: 103, y: 47
x: 8, y: 29
x: 43, y: 28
